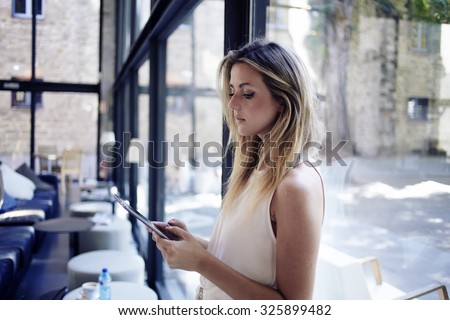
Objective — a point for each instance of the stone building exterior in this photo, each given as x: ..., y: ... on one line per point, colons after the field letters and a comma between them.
x: 388, y: 84
x: 395, y: 64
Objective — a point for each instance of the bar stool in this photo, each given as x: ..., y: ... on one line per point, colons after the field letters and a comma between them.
x: 115, y: 235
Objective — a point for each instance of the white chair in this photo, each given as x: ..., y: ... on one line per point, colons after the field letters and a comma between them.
x: 70, y: 165
x: 340, y: 276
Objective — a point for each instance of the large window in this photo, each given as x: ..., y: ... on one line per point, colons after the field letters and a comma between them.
x: 193, y: 128
x: 390, y: 199
x: 370, y: 86
x: 66, y: 59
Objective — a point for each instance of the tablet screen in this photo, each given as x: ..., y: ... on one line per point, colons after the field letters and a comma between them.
x: 142, y: 218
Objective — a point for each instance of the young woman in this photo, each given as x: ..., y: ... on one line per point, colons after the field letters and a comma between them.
x: 265, y: 242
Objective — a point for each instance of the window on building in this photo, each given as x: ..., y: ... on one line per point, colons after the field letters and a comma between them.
x: 23, y: 8
x: 21, y: 99
x: 418, y: 108
x: 419, y: 36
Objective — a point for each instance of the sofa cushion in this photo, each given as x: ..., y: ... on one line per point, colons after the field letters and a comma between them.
x: 12, y: 254
x: 6, y: 276
x: 18, y: 237
x: 42, y: 204
x: 15, y: 184
x: 22, y: 217
x: 28, y: 173
x: 9, y: 203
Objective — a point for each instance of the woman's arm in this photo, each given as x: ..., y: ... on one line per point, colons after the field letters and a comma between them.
x: 190, y: 255
x: 297, y: 208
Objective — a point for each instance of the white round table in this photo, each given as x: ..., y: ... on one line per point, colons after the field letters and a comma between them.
x: 122, y: 266
x: 121, y: 290
x: 86, y: 209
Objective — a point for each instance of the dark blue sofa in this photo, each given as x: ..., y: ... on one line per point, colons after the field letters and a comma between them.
x: 18, y: 238
x: 16, y: 252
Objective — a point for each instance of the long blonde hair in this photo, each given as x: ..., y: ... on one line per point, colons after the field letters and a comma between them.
x: 298, y: 124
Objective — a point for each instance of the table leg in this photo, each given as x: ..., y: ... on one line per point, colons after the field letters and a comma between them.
x: 76, y: 243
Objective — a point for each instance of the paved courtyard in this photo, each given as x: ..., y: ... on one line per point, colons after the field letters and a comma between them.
x: 397, y: 210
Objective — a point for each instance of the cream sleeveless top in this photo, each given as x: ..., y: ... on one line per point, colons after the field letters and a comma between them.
x: 245, y: 242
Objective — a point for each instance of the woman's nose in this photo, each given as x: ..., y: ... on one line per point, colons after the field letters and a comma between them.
x: 234, y: 102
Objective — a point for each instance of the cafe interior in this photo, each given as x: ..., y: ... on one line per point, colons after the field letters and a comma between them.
x: 103, y: 97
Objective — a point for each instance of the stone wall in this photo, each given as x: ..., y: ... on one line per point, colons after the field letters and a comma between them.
x: 384, y: 71
x: 371, y: 86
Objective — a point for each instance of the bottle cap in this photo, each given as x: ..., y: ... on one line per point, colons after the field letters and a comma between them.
x: 105, y: 270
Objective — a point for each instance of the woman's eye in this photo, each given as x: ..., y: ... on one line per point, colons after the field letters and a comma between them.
x: 248, y: 95
x: 231, y: 94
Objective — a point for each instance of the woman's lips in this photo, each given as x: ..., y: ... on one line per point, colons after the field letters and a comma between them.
x: 239, y: 120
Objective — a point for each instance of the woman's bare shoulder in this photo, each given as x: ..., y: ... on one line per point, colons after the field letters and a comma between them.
x: 303, y: 179
x: 300, y: 188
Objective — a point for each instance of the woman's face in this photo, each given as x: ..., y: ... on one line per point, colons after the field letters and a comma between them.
x: 255, y: 109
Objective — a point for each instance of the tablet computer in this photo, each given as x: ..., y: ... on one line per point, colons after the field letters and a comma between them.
x: 153, y: 226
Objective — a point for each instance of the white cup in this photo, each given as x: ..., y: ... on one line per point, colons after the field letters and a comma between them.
x: 90, y: 291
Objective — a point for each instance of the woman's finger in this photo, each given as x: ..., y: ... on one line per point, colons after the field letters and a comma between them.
x: 179, y: 232
x: 177, y: 223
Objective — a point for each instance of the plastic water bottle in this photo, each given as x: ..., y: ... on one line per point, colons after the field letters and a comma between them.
x: 104, y: 281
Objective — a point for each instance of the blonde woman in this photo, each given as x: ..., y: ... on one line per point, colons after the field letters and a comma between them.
x: 265, y: 242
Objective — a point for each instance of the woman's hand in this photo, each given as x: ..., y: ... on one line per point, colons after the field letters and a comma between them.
x: 178, y: 223
x: 185, y: 253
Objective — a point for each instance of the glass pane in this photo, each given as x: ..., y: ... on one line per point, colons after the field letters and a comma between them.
x: 143, y: 135
x: 20, y: 6
x: 126, y: 135
x: 194, y: 115
x: 383, y: 85
x: 15, y: 45
x: 68, y: 120
x: 39, y: 7
x: 124, y: 36
x: 143, y: 9
x: 14, y: 133
x: 67, y: 42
